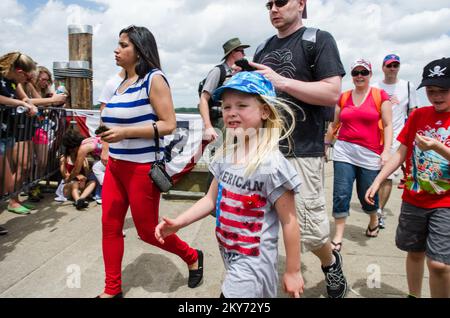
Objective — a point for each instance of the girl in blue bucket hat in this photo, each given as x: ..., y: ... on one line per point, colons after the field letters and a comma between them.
x: 252, y: 192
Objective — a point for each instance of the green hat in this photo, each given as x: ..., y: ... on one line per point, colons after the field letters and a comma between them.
x: 231, y: 45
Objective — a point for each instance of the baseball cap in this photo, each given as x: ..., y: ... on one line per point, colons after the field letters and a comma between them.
x: 388, y: 59
x: 436, y: 73
x: 362, y: 62
x: 247, y: 82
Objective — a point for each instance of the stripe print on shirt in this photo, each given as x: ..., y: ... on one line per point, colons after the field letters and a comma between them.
x: 239, y: 221
x: 132, y: 108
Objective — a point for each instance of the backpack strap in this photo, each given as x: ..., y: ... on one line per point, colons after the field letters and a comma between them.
x: 261, y: 47
x: 342, y: 101
x: 223, y: 74
x: 309, y: 38
x: 376, y: 95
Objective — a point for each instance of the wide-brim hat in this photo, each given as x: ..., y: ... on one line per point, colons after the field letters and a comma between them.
x: 436, y: 73
x: 247, y: 82
x: 231, y: 45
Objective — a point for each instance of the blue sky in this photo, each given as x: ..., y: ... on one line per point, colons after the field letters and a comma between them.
x: 34, y: 4
x: 190, y: 33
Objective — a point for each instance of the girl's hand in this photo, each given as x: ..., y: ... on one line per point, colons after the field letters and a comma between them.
x: 385, y: 156
x: 293, y: 284
x: 165, y: 228
x: 370, y: 193
x: 59, y: 99
x: 32, y: 110
x: 425, y: 143
x: 113, y: 135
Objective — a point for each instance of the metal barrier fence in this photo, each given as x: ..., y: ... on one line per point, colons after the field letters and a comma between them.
x: 30, y: 147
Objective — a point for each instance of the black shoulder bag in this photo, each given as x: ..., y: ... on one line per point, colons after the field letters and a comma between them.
x: 158, y: 172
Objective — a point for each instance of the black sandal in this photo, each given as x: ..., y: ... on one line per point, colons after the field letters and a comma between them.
x: 196, y: 275
x: 336, y: 246
x: 376, y: 229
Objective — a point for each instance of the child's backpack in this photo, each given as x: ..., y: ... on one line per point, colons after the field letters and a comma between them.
x: 376, y: 95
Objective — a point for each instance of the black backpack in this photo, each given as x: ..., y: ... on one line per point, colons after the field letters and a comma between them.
x: 309, y: 39
x: 223, y: 75
x: 215, y: 111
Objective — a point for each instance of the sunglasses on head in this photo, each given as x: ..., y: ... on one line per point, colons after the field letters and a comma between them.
x: 393, y: 65
x: 278, y: 4
x: 362, y: 72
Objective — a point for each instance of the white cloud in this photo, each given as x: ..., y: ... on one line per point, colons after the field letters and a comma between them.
x: 190, y: 33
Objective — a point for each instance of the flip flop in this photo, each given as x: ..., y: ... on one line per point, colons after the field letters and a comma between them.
x: 336, y: 246
x: 19, y: 210
x: 376, y: 229
x: 28, y: 206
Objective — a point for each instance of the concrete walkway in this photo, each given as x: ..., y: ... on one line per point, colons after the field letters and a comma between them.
x: 56, y: 252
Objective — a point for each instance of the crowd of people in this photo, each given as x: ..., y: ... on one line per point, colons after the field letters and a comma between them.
x: 269, y: 170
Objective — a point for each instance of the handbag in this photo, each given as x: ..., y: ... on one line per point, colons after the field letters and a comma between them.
x: 158, y: 172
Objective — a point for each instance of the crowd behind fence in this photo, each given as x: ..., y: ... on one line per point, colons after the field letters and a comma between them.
x: 30, y: 148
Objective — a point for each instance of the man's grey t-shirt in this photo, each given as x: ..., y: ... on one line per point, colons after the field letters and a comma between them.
x: 247, y: 224
x: 213, y: 78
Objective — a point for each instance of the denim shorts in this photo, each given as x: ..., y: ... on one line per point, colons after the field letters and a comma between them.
x: 344, y: 176
x: 6, y: 143
x: 424, y: 230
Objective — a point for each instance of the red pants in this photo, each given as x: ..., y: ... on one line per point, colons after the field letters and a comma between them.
x: 128, y: 184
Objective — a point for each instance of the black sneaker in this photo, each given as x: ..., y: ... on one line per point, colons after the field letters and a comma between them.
x: 335, y: 279
x: 81, y: 204
x: 3, y: 231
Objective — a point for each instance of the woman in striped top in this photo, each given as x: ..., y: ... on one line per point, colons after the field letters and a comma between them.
x: 143, y: 98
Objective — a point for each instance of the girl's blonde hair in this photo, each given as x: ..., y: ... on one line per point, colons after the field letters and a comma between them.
x: 15, y: 60
x: 278, y: 126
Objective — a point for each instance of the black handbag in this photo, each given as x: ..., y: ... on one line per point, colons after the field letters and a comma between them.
x: 158, y: 172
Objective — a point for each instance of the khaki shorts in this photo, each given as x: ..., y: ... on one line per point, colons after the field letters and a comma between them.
x: 310, y: 203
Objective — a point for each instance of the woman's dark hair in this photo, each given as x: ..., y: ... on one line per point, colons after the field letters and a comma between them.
x: 71, y: 140
x: 146, y: 49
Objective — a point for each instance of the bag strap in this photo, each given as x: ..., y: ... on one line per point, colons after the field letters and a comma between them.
x: 155, y: 128
x: 376, y: 95
x: 408, y: 104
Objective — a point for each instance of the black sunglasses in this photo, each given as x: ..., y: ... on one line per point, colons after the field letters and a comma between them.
x: 393, y: 65
x: 362, y: 72
x: 278, y: 3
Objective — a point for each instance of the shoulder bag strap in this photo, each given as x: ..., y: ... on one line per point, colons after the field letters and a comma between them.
x: 155, y: 128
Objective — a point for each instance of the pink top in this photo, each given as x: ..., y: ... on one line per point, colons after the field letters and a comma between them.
x: 360, y: 123
x: 97, y: 145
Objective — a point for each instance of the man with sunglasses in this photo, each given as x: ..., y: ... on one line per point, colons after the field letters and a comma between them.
x: 312, y: 88
x: 404, y: 99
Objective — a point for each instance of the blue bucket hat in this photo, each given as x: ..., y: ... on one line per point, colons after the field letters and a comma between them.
x: 247, y: 82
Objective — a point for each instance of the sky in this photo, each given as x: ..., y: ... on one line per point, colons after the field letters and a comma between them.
x: 190, y: 33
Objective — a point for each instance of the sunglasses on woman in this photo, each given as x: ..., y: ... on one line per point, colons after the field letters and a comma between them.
x: 278, y: 4
x: 362, y: 72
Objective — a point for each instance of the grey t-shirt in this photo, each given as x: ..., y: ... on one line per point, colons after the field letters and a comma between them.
x: 213, y: 77
x: 247, y: 224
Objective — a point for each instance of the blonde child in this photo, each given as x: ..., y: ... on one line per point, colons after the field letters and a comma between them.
x: 424, y: 222
x: 252, y: 192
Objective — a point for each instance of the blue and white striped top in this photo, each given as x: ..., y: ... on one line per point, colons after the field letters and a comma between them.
x: 132, y: 108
